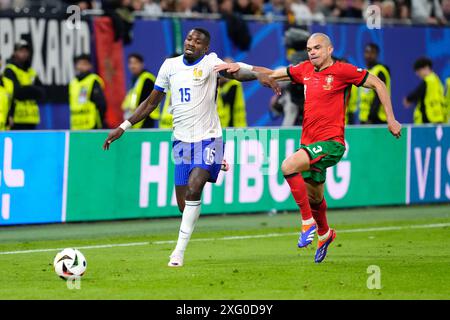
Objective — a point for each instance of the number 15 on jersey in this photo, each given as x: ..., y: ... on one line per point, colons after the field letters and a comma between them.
x: 185, y: 94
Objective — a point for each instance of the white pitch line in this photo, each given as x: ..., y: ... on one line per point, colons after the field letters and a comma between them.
x: 256, y: 236
x: 131, y: 244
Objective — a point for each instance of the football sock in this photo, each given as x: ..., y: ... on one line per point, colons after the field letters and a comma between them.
x: 300, y: 193
x: 190, y: 215
x: 320, y: 215
x: 324, y: 237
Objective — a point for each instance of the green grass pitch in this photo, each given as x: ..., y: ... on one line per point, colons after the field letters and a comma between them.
x: 238, y: 257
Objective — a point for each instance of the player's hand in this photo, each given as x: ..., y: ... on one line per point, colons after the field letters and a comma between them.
x: 227, y: 67
x: 269, y: 82
x: 112, y: 136
x: 395, y: 128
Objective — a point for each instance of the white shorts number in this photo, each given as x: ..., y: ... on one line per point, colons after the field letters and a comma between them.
x: 210, y: 155
x: 317, y: 149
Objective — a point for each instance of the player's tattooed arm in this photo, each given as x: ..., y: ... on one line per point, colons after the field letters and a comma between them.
x: 373, y: 82
x: 145, y: 108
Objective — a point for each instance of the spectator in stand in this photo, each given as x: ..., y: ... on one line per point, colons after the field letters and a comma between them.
x: 185, y: 6
x: 339, y: 9
x: 243, y: 7
x: 355, y: 9
x: 275, y: 8
x: 314, y: 8
x: 446, y: 9
x: 120, y: 12
x: 151, y: 7
x: 349, y: 9
x: 388, y: 9
x: 168, y: 5
x: 205, y: 6
x: 257, y: 7
x: 306, y: 13
x: 84, y: 5
x: 403, y: 9
x: 327, y: 7
x: 427, y: 11
x: 237, y: 28
x: 137, y: 5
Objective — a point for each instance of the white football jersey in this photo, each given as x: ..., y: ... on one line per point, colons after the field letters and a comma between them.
x: 193, y: 90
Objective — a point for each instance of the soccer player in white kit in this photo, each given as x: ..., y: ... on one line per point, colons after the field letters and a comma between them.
x: 197, y: 145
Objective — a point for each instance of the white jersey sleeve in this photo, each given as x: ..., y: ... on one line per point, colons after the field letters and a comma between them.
x: 216, y: 60
x: 162, y: 80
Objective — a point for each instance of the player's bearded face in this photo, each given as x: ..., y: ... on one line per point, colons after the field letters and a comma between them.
x: 195, y: 45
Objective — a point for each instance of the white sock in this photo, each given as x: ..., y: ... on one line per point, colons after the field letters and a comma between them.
x: 325, y: 236
x: 190, y: 215
x: 308, y: 222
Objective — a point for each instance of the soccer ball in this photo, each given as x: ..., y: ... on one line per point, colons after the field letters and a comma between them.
x: 70, y: 262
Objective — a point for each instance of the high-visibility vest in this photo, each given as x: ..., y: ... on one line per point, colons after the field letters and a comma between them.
x: 353, y: 101
x: 6, y: 90
x: 131, y: 101
x: 368, y: 95
x: 433, y: 102
x: 25, y: 111
x: 224, y: 110
x: 166, y: 120
x: 447, y: 100
x: 84, y: 114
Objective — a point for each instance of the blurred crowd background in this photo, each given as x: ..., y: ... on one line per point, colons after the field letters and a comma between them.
x: 435, y: 12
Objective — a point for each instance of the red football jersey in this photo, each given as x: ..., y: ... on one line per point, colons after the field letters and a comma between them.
x: 326, y: 93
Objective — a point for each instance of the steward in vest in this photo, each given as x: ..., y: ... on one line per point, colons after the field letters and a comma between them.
x: 447, y: 99
x: 231, y: 104
x: 28, y: 91
x: 6, y: 91
x: 86, y: 98
x: 428, y: 96
x: 352, y: 105
x: 166, y: 119
x: 371, y: 111
x: 142, y: 84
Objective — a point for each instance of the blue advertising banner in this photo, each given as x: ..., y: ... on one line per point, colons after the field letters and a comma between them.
x: 429, y: 156
x: 32, y: 171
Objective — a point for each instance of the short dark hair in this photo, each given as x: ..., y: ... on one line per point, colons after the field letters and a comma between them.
x: 422, y: 62
x: 373, y: 46
x: 83, y: 56
x: 205, y: 33
x: 137, y: 56
x: 22, y: 44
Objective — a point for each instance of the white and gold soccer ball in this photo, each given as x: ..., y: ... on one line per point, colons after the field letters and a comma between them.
x: 70, y: 263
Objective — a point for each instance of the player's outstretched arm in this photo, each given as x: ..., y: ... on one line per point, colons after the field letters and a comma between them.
x: 246, y: 73
x: 232, y: 68
x: 373, y: 82
x: 145, y: 108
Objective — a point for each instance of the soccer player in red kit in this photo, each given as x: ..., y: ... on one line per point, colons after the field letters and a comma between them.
x: 327, y: 84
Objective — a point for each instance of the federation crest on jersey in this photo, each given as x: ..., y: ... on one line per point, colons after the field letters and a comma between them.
x: 328, y: 80
x: 197, y: 73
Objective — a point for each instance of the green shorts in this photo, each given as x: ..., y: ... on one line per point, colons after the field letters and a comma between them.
x: 323, y: 154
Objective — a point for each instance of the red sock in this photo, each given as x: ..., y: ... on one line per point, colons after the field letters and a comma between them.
x: 319, y: 212
x: 298, y: 189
